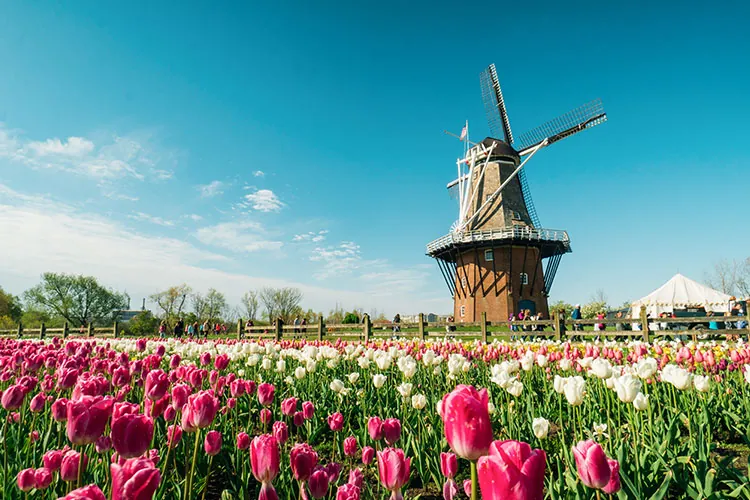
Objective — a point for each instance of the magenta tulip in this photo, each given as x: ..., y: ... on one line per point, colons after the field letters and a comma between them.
x: 613, y: 486
x: 393, y: 469
x: 26, y: 480
x: 136, y: 478
x: 391, y: 430
x: 375, y: 428
x: 87, y: 418
x: 512, y: 470
x: 303, y: 459
x: 350, y: 446
x: 90, y: 492
x: 308, y: 410
x: 157, y: 384
x: 348, y: 491
x: 265, y: 394
x: 298, y: 419
x: 132, y: 435
x: 264, y: 458
x: 448, y: 464
x: 356, y: 477
x: 212, y: 443
x: 60, y: 410
x: 289, y: 406
x: 69, y: 465
x: 592, y: 465
x: 466, y: 419
x: 174, y: 435
x: 37, y: 403
x: 200, y: 411
x: 13, y: 397
x: 318, y: 483
x: 42, y: 478
x: 368, y: 454
x: 336, y: 421
x: 243, y: 441
x: 266, y: 416
x: 280, y: 432
x: 52, y: 459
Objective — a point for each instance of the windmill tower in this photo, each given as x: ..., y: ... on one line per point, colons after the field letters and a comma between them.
x: 492, y: 258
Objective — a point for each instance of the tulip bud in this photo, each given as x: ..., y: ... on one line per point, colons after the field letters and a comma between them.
x: 591, y: 463
x: 466, y: 420
x: 350, y: 446
x: 280, y: 432
x: 391, y: 430
x: 243, y: 441
x: 375, y: 428
x: 368, y: 454
x: 26, y: 480
x: 212, y: 443
x: 448, y: 464
x: 318, y: 483
x: 336, y: 421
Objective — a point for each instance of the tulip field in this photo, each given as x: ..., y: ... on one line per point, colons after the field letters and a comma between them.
x: 135, y: 419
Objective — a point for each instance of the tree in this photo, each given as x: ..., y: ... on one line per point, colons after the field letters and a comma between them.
x: 731, y: 277
x: 351, y: 318
x: 10, y: 306
x: 211, y: 307
x: 144, y: 323
x: 79, y: 299
x: 250, y: 301
x: 171, y: 301
x: 280, y: 302
x: 560, y: 305
x: 335, y: 315
x: 591, y: 309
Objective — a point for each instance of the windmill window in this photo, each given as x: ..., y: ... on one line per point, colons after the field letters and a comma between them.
x: 524, y: 279
x: 463, y: 282
x: 462, y: 311
x: 515, y: 215
x: 489, y: 255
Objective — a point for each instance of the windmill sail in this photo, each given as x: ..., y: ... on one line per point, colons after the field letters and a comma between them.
x: 494, y: 105
x: 587, y: 116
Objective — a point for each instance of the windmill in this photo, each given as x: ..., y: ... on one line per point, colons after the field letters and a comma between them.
x: 492, y: 258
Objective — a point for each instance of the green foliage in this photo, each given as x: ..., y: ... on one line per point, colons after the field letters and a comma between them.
x: 77, y: 298
x: 560, y: 304
x: 171, y: 302
x: 10, y: 306
x: 351, y: 318
x: 144, y: 323
x: 591, y: 309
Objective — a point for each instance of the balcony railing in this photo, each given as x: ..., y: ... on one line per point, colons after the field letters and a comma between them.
x: 509, y: 233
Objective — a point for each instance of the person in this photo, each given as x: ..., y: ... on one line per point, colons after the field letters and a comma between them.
x: 248, y: 327
x: 303, y: 324
x: 576, y: 314
x: 206, y: 329
x: 296, y: 324
x: 191, y: 331
x: 217, y: 328
x: 448, y: 324
x: 540, y: 317
x: 179, y: 328
x: 618, y: 326
x: 601, y: 316
x: 397, y: 323
x: 163, y: 329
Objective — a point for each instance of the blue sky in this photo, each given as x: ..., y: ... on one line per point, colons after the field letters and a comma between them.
x: 151, y: 143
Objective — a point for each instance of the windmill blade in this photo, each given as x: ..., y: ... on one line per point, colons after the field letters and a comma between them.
x: 526, y: 192
x: 587, y: 116
x: 494, y: 105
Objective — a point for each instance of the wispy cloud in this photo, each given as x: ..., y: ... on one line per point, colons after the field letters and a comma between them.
x: 337, y: 260
x: 311, y: 236
x: 213, y: 188
x: 74, y: 146
x: 263, y: 200
x: 245, y: 236
x: 259, y: 173
x: 194, y: 217
x: 150, y: 218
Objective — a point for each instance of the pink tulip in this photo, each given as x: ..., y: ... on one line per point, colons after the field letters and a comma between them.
x: 289, y: 406
x: 221, y: 362
x: 90, y: 492
x: 123, y: 408
x: 448, y: 464
x: 333, y: 470
x: 264, y: 458
x: 391, y: 430
x: 336, y: 421
x: 212, y: 443
x: 356, y: 477
x: 512, y: 470
x: 266, y: 416
x: 265, y: 394
x: 60, y: 410
x: 26, y: 480
x: 466, y: 419
x: 136, y: 478
x: 318, y: 483
x: 52, y: 459
x: 180, y: 393
x: 350, y: 446
x: 280, y: 432
x: 243, y: 441
x: 348, y: 491
x: 303, y: 460
x: 69, y: 465
x: 87, y: 418
x: 368, y: 454
x: 393, y: 469
x: 174, y: 435
x: 37, y: 403
x: 200, y: 411
x: 592, y: 465
x: 42, y: 478
x: 613, y: 486
x: 450, y: 489
x: 375, y: 428
x: 132, y: 435
x: 103, y: 444
x: 13, y: 397
x: 467, y: 487
x: 169, y: 413
x: 308, y: 410
x: 298, y: 419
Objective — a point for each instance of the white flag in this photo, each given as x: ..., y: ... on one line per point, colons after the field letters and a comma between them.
x: 464, y: 132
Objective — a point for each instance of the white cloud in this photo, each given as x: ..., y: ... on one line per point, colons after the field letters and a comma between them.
x: 263, y: 200
x: 237, y: 236
x: 337, y: 260
x: 259, y: 173
x: 194, y: 217
x: 151, y: 218
x: 119, y: 196
x: 213, y: 188
x: 75, y: 146
x: 311, y: 236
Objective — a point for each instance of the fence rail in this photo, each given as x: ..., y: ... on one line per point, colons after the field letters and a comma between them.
x: 558, y: 328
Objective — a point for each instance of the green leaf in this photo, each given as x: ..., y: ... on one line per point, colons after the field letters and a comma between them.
x: 662, y: 491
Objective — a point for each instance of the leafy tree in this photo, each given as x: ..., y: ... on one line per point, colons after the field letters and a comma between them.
x: 250, y: 301
x: 77, y: 298
x: 561, y: 304
x: 171, y: 301
x: 591, y: 309
x: 280, y: 302
x: 10, y: 306
x: 351, y: 318
x: 210, y: 307
x: 144, y: 323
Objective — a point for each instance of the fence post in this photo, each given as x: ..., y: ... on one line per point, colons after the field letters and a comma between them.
x: 20, y: 330
x: 42, y: 330
x: 279, y: 325
x: 484, y: 326
x: 644, y: 324
x: 90, y: 330
x: 116, y: 329
x: 366, y: 327
x: 320, y: 328
x: 558, y: 331
x: 65, y: 330
x: 422, y: 333
x: 239, y: 328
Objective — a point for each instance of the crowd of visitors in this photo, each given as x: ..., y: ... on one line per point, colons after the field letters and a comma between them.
x: 193, y: 330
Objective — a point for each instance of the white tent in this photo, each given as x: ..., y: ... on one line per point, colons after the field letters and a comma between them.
x: 680, y: 292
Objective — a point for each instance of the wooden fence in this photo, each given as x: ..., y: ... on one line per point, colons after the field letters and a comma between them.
x: 557, y: 328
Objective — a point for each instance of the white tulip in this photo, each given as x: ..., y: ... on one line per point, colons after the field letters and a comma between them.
x: 337, y: 386
x: 363, y: 362
x: 641, y: 401
x: 439, y: 407
x: 418, y: 401
x: 541, y: 360
x: 540, y: 426
x: 288, y: 380
x: 627, y: 387
x: 585, y: 362
x: 645, y: 368
x: 252, y: 360
x: 266, y: 364
x: 502, y: 379
x: 437, y: 370
x: 527, y: 362
x: 300, y: 372
x: 610, y: 382
x: 515, y: 388
x: 378, y: 380
x: 404, y: 389
x: 490, y: 408
x: 428, y: 357
x: 575, y: 390
x: 678, y: 377
x: 559, y: 384
x: 564, y: 364
x: 310, y: 366
x: 601, y: 368
x: 353, y: 377
x: 281, y: 366
x: 701, y: 383
x: 407, y: 365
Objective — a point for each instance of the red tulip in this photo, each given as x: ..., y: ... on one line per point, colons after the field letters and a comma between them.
x: 157, y: 384
x: 613, y: 486
x: 280, y: 432
x: 212, y: 443
x: 348, y: 491
x: 350, y: 446
x: 368, y: 454
x: 42, y: 478
x: 303, y: 460
x: 90, y: 492
x: 52, y: 459
x: 132, y: 435
x: 136, y: 478
x: 87, y: 418
x: 393, y: 469
x: 512, y: 470
x: 69, y: 465
x: 60, y: 410
x: 174, y: 435
x: 264, y: 458
x: 336, y: 421
x: 26, y: 480
x: 375, y: 428
x: 265, y: 394
x: 13, y: 397
x: 243, y: 441
x: 308, y: 410
x: 592, y: 465
x: 466, y: 419
x: 37, y: 403
x: 318, y: 483
x: 391, y: 430
x: 289, y: 406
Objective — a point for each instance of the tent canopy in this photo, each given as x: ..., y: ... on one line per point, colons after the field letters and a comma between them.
x: 680, y: 292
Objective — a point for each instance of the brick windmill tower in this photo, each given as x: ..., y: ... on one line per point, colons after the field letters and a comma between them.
x: 492, y: 258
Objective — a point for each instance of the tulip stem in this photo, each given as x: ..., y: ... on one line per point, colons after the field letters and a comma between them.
x: 473, y: 480
x: 189, y: 483
x: 598, y: 495
x: 80, y: 468
x: 208, y: 476
x: 5, y: 451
